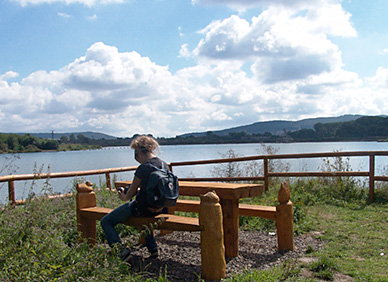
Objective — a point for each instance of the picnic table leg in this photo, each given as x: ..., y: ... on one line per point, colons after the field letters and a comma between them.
x: 86, y: 198
x: 230, y: 213
x: 212, y: 243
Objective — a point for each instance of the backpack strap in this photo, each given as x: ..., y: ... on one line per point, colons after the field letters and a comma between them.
x: 156, y: 168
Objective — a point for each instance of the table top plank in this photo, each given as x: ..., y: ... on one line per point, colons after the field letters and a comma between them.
x: 223, y: 190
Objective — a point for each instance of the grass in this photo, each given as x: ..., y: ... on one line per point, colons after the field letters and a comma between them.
x: 39, y: 241
x: 356, y: 239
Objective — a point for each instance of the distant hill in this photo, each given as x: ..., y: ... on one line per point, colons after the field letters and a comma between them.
x: 88, y: 134
x: 277, y: 127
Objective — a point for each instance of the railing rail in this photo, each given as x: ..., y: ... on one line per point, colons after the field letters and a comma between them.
x: 265, y: 178
x: 19, y: 177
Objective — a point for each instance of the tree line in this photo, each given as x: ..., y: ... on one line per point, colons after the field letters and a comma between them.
x: 19, y: 143
x: 367, y: 128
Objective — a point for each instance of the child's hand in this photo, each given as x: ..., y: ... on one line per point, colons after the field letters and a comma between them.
x: 122, y: 194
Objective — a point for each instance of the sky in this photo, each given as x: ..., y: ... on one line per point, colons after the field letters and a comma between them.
x: 169, y: 67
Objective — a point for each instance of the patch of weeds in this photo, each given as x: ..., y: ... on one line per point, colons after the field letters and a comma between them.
x: 290, y: 270
x: 257, y: 223
x: 381, y: 196
x: 310, y: 249
x: 302, y: 222
x: 257, y: 275
x: 324, y: 268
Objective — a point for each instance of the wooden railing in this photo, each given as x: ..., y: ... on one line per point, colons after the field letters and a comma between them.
x: 20, y: 177
x: 370, y: 173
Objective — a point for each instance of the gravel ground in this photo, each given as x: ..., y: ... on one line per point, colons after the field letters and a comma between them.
x: 180, y: 254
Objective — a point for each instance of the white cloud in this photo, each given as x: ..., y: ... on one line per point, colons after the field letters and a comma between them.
x: 64, y: 15
x: 184, y: 51
x: 380, y: 80
x: 282, y: 43
x: 181, y: 34
x: 383, y: 52
x: 104, y: 68
x: 88, y: 3
x: 118, y: 92
x: 9, y: 75
x: 92, y: 18
x: 242, y: 5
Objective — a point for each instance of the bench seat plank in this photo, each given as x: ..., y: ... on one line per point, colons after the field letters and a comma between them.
x: 171, y: 222
x: 268, y: 212
x: 186, y: 206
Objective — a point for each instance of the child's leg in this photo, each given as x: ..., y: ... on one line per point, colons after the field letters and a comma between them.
x: 115, y: 217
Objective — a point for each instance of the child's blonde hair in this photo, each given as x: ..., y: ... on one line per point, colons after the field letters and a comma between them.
x: 144, y: 143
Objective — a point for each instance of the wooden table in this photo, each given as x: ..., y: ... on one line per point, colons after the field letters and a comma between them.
x: 229, y: 194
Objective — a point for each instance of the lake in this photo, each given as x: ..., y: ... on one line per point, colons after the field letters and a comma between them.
x: 112, y: 157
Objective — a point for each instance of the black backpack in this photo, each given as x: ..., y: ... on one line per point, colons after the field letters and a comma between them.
x: 162, y: 188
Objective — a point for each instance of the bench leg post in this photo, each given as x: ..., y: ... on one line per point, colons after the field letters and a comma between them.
x: 212, y: 238
x: 230, y: 210
x: 86, y: 198
x: 171, y: 210
x: 285, y: 219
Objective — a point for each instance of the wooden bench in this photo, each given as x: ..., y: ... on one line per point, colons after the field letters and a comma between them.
x: 282, y: 214
x: 209, y: 224
x: 167, y: 221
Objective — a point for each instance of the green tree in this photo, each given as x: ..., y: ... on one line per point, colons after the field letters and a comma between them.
x: 12, y: 142
x: 83, y: 139
x: 304, y: 134
x: 50, y: 145
x: 28, y: 139
x: 72, y: 140
x: 64, y: 139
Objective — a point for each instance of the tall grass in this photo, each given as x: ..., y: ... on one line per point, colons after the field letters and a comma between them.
x: 39, y: 242
x: 337, y: 190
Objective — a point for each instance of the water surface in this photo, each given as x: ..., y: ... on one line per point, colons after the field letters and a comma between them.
x: 111, y: 157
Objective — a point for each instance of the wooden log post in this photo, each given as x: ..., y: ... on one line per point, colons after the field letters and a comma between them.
x: 266, y: 177
x: 371, y: 178
x: 284, y: 219
x: 212, y: 238
x: 86, y: 198
x: 108, y: 181
x: 11, y: 192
